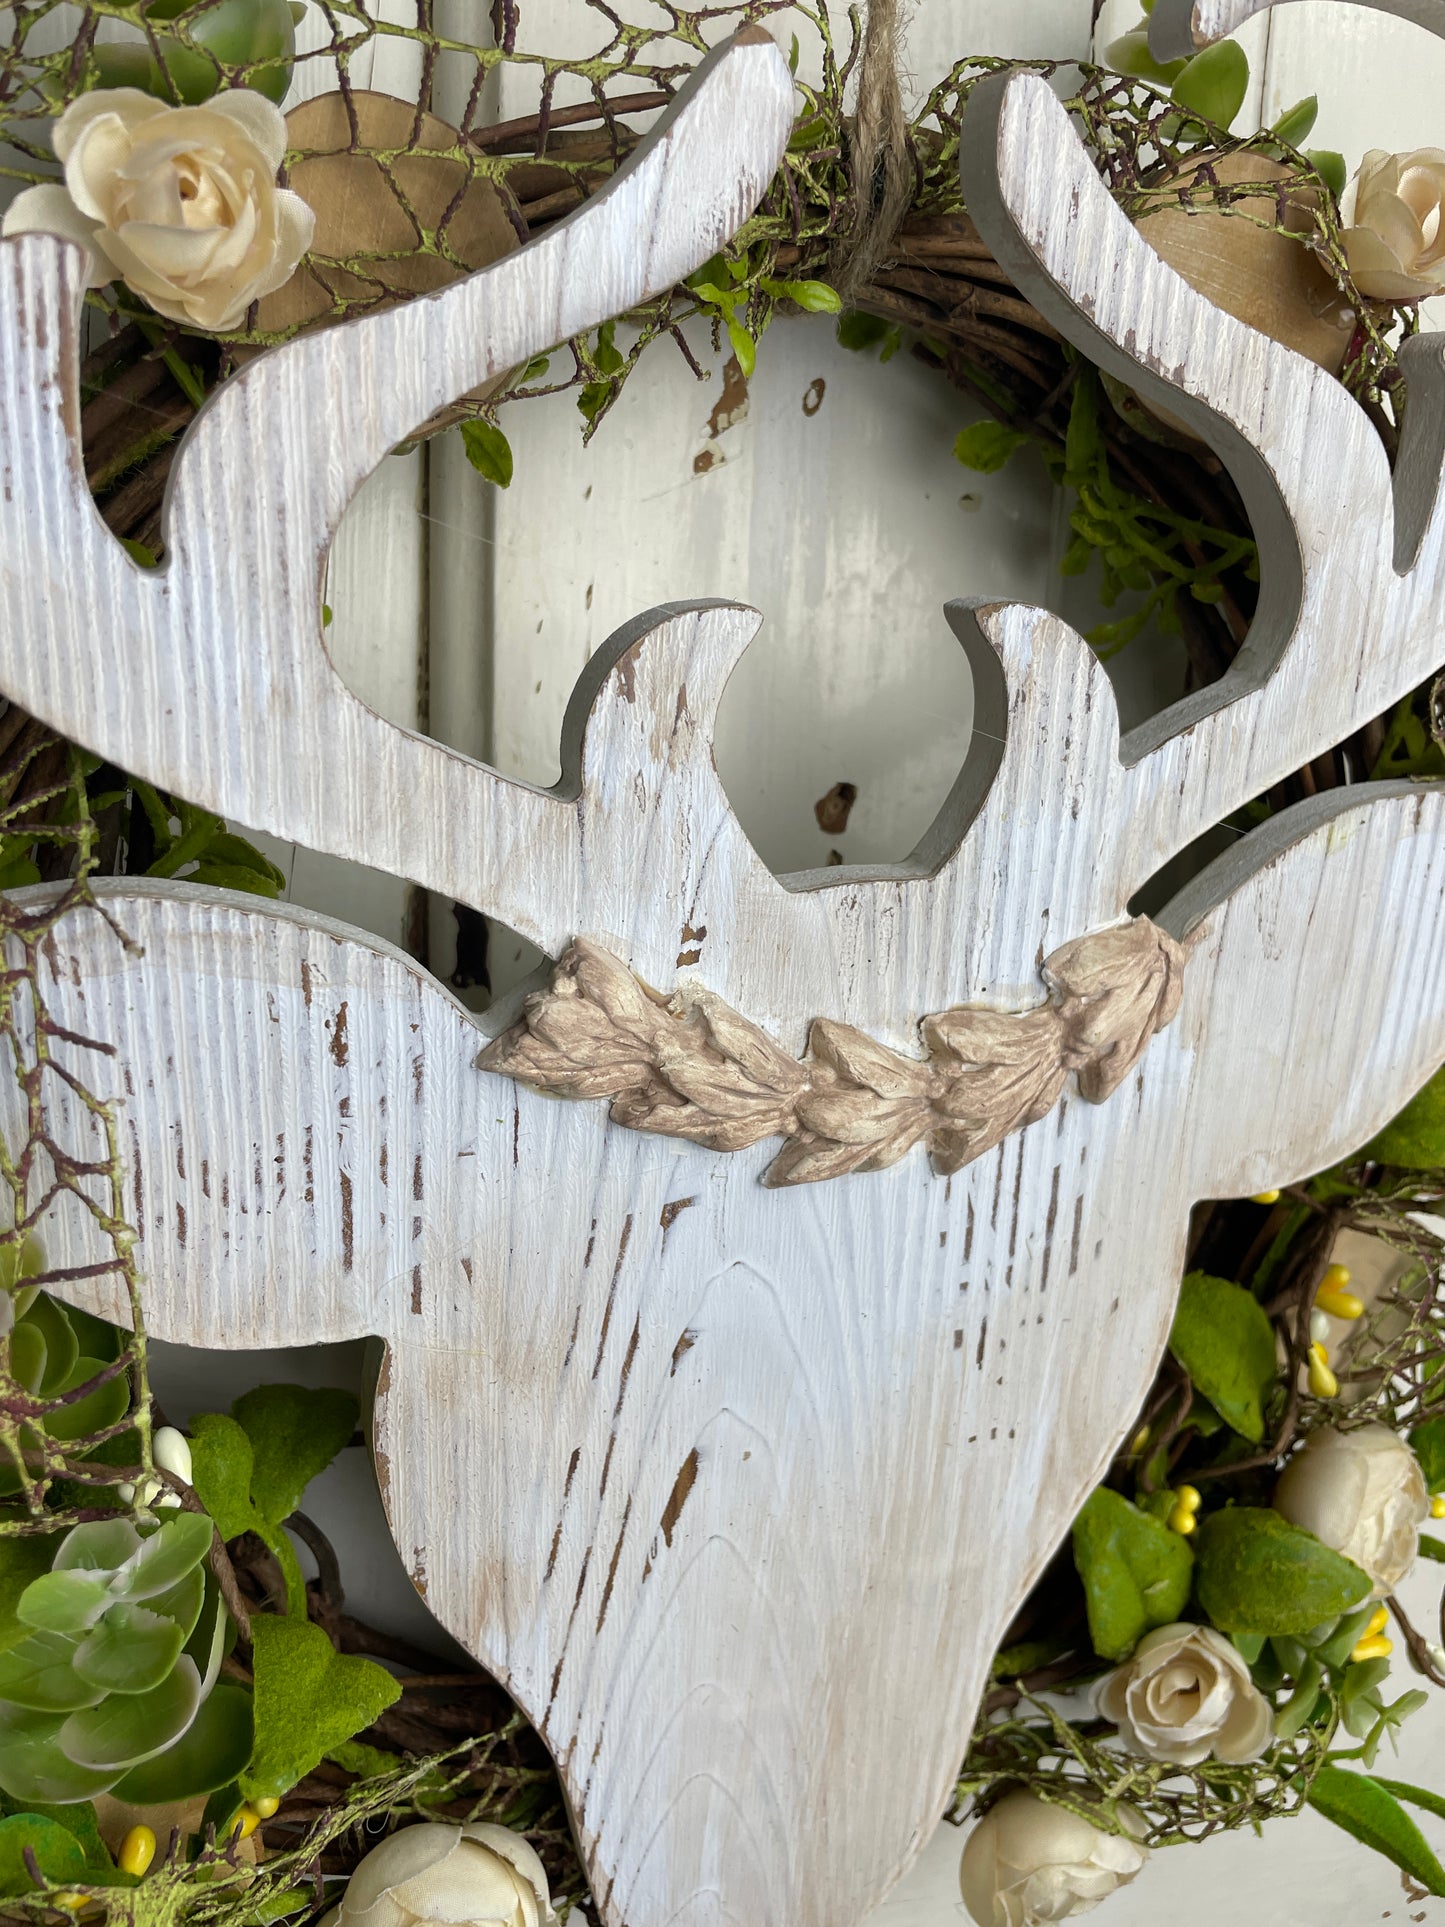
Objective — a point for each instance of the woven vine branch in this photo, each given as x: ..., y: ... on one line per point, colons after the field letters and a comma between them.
x: 691, y: 1067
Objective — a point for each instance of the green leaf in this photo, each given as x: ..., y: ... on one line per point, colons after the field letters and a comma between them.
x: 1225, y: 1342
x: 744, y: 347
x: 308, y: 1699
x: 1418, y: 1796
x: 78, y: 1819
x: 815, y: 296
x: 987, y: 445
x: 1427, y: 1442
x: 1432, y: 1548
x: 97, y: 1411
x: 57, y: 1852
x: 176, y: 1548
x: 1300, y: 1706
x: 211, y: 1752
x: 488, y: 451
x: 130, y: 1651
x: 1256, y: 1573
x: 64, y: 1602
x: 1296, y: 123
x: 61, y: 1346
x: 100, y: 1545
x: 222, y: 1471
x: 859, y: 332
x: 32, y: 1765
x: 40, y: 1673
x: 295, y: 1432
x: 127, y: 1728
x: 1331, y: 168
x: 354, y: 1756
x: 23, y: 1558
x: 1213, y: 84
x: 1136, y: 1572
x: 1371, y: 1814
x: 1130, y: 54
x: 1414, y: 1139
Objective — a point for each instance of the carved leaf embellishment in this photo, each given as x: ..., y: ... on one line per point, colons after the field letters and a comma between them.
x: 692, y: 1067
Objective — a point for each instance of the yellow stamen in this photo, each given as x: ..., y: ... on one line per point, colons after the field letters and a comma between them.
x: 1437, y: 1506
x: 1322, y: 1381
x: 1265, y: 1197
x: 137, y: 1851
x: 1182, y: 1521
x: 266, y: 1807
x: 247, y: 1821
x: 1188, y: 1497
x: 1377, y: 1648
x: 1139, y: 1441
x: 1379, y: 1620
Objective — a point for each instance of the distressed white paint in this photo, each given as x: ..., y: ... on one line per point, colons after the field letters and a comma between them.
x: 756, y: 1665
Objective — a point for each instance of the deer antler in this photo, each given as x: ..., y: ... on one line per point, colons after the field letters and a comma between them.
x: 1178, y: 28
x: 1289, y: 433
x: 213, y: 679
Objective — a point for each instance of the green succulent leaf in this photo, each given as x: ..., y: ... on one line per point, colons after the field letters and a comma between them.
x: 1225, y: 1342
x: 295, y: 1432
x: 987, y: 445
x: 259, y: 35
x: 1213, y: 84
x: 1136, y: 1572
x: 130, y: 1651
x: 62, y: 1348
x: 1256, y: 1573
x: 40, y: 1673
x: 213, y: 1750
x: 33, y: 1765
x: 57, y: 1853
x: 27, y: 1355
x: 1414, y: 1139
x: 1370, y: 1813
x: 167, y: 1555
x: 97, y: 1411
x: 79, y: 1820
x: 101, y: 1545
x: 1130, y: 54
x: 23, y: 1558
x: 308, y: 1699
x: 183, y: 1601
x: 65, y: 1602
x: 126, y: 1728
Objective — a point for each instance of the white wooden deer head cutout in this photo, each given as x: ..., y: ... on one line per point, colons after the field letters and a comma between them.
x: 734, y: 1485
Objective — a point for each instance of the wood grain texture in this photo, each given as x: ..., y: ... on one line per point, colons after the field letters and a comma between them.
x: 714, y: 1477
x: 1178, y: 28
x: 735, y: 1488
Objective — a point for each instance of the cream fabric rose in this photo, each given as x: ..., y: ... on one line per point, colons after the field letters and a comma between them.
x: 1363, y: 1494
x: 475, y: 1875
x: 180, y: 202
x: 1395, y: 240
x: 1187, y: 1694
x: 1027, y: 1862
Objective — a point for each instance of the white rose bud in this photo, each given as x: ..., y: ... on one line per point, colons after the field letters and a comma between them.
x: 1027, y: 1862
x: 1187, y: 1694
x: 475, y: 1875
x: 171, y: 1451
x: 1395, y: 243
x: 180, y: 202
x: 1363, y: 1494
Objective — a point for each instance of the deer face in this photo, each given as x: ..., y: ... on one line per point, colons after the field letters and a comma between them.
x: 734, y: 1487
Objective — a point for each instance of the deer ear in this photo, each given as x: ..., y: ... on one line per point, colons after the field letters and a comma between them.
x: 1314, y: 1002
